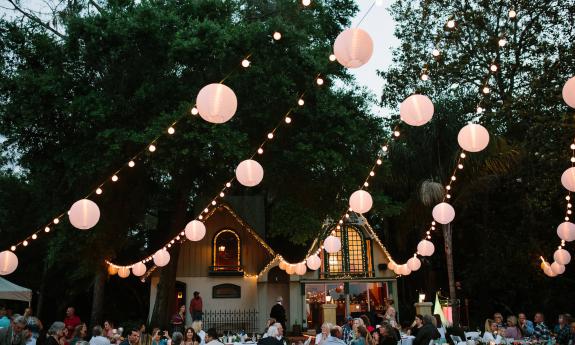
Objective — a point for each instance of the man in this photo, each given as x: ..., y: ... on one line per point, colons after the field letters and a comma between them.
x: 133, y: 338
x: 280, y: 335
x: 427, y: 332
x: 270, y: 338
x: 196, y: 307
x: 347, y: 330
x: 526, y: 326
x: 335, y: 334
x: 4, y: 320
x: 14, y: 335
x: 540, y: 331
x: 498, y: 318
x: 71, y: 321
x: 97, y: 338
x: 212, y: 337
x: 278, y: 312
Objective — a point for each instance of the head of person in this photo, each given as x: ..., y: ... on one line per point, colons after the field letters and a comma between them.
x: 197, y: 326
x: 97, y: 331
x: 134, y: 336
x: 418, y: 320
x: 325, y: 328
x: 80, y: 331
x: 156, y: 334
x: 211, y: 334
x: 70, y: 311
x: 280, y: 329
x: 564, y: 319
x: 56, y: 330
x: 387, y: 330
x: 108, y: 325
x: 511, y: 321
x: 428, y: 319
x: 182, y: 309
x: 438, y: 322
x: 375, y: 335
x: 142, y: 328
x: 522, y: 318
x: 190, y: 333
x: 279, y: 300
x: 497, y: 317
x: 361, y: 331
x: 336, y: 332
x: 19, y: 324
x: 539, y: 318
x: 365, y: 320
x: 573, y: 327
x: 177, y: 338
x: 270, y: 322
x: 490, y: 326
x: 2, y: 311
x: 28, y: 312
x: 357, y: 322
x: 272, y: 332
x: 196, y: 294
x: 349, y: 320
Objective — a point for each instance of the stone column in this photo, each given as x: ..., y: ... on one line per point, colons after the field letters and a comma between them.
x: 423, y: 308
x: 328, y: 312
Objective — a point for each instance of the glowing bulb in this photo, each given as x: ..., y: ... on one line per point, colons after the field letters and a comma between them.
x: 300, y: 102
x: 131, y: 164
x: 228, y: 185
x: 396, y: 134
x: 432, y: 222
x: 366, y: 184
x: 319, y: 81
x: 566, y: 219
x: 371, y: 173
x: 25, y: 243
x: 493, y: 68
x: 460, y: 166
x: 453, y: 178
x: 462, y: 155
x: 567, y: 198
x: 572, y: 159
x: 502, y: 42
x: 171, y: 130
x: 213, y: 203
x: 200, y: 217
x: 152, y: 148
x: 13, y: 248
x: 288, y: 119
x: 486, y: 90
x: 332, y: 58
x: 114, y: 178
x: 56, y: 221
x: 451, y: 23
x: 270, y: 135
x: 424, y: 77
x: 169, y: 245
x: 47, y: 229
x: 34, y: 236
x: 347, y: 215
x: 99, y: 191
x: 448, y: 187
x: 277, y: 36
x: 435, y: 52
x: 306, y: 2
x: 569, y: 205
x: 245, y: 63
x: 378, y: 162
x: 572, y: 146
x: 260, y: 151
x: 479, y: 110
x: 195, y: 111
x: 384, y: 148
x: 448, y: 196
x: 512, y: 14
x: 206, y: 210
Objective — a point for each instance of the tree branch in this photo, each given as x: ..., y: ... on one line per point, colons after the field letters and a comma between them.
x: 98, y: 7
x: 36, y: 19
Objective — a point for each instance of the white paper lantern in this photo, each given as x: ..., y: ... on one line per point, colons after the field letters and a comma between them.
x: 566, y: 231
x: 332, y: 244
x: 416, y: 110
x: 249, y: 173
x: 195, y: 230
x: 557, y: 268
x: 414, y: 264
x: 283, y: 265
x: 290, y: 269
x: 568, y: 179
x: 123, y: 272
x: 397, y: 270
x: 391, y: 265
x: 569, y: 92
x: 404, y: 270
x: 300, y: 269
x: 313, y: 262
x: 443, y: 213
x: 425, y: 248
x: 161, y: 258
x: 139, y: 269
x: 84, y: 214
x: 353, y: 48
x: 216, y: 103
x: 8, y: 262
x: 561, y: 256
x: 549, y: 272
x: 473, y: 138
x: 360, y: 201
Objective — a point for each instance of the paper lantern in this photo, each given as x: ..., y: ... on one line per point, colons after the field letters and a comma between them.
x: 360, y: 201
x: 561, y: 256
x: 313, y: 262
x: 391, y: 265
x: 473, y: 137
x: 84, y: 214
x: 568, y: 179
x: 416, y: 110
x: 397, y: 270
x: 557, y: 268
x: 123, y: 272
x: 549, y: 272
x: 569, y: 92
x: 414, y: 264
x: 249, y: 173
x: 216, y: 103
x: 545, y: 266
x: 425, y: 248
x: 139, y: 269
x: 353, y: 48
x: 300, y: 268
x: 195, y: 230
x: 290, y: 269
x: 566, y: 231
x: 332, y: 244
x: 404, y: 270
x: 8, y: 262
x: 161, y: 258
x: 283, y: 265
x: 112, y: 270
x: 443, y: 213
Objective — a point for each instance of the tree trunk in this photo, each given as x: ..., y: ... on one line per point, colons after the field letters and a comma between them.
x: 98, y: 296
x: 447, y: 236
x: 41, y: 293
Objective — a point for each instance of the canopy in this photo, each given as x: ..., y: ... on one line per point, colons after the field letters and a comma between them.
x: 12, y: 291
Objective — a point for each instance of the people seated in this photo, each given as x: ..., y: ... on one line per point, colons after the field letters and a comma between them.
x: 321, y: 338
x: 212, y: 337
x: 491, y: 334
x: 427, y: 332
x: 513, y: 331
x: 387, y: 335
x: 526, y: 326
x: 416, y: 325
x: 335, y: 335
x: 562, y: 330
x: 498, y: 319
x: 271, y: 337
x: 540, y: 331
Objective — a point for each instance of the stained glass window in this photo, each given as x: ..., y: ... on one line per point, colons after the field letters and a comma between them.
x: 226, y: 251
x: 353, y: 258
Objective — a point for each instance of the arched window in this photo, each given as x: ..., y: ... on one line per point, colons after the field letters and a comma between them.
x: 353, y: 258
x: 226, y: 249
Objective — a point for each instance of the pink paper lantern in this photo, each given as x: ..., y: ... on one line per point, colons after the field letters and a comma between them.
x: 84, y: 214
x: 405, y: 270
x: 195, y: 230
x: 353, y: 48
x: 566, y: 231
x: 332, y: 244
x: 313, y: 262
x: 416, y: 110
x: 139, y: 269
x: 283, y: 265
x: 249, y: 173
x: 443, y: 213
x: 557, y: 268
x: 360, y: 201
x: 397, y: 270
x: 161, y: 258
x: 569, y: 92
x: 216, y: 103
x: 300, y: 269
x: 568, y: 179
x: 290, y: 269
x: 425, y: 248
x: 8, y: 262
x: 561, y: 256
x: 414, y: 264
x: 391, y: 265
x: 123, y: 272
x: 473, y: 138
x: 549, y: 272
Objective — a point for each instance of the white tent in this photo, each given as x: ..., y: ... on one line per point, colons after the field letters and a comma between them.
x: 12, y: 291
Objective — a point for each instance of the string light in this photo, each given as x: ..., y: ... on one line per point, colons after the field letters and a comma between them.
x: 319, y: 81
x: 152, y: 148
x: 25, y: 243
x: 451, y: 23
x: 486, y: 89
x: 47, y: 229
x: 300, y: 102
x: 435, y: 52
x: 288, y: 119
x: 493, y: 68
x: 34, y: 236
x: 171, y: 130
x: 228, y: 184
x: 13, y: 248
x: 260, y: 151
x: 195, y: 111
x: 424, y: 77
x: 115, y: 178
x: 332, y: 58
x: 502, y: 42
x: 277, y: 36
x: 131, y: 164
x: 306, y: 2
x: 270, y: 136
x: 56, y: 221
x: 98, y: 190
x: 246, y: 63
x: 512, y: 14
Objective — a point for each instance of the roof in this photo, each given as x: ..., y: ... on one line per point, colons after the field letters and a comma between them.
x: 11, y: 291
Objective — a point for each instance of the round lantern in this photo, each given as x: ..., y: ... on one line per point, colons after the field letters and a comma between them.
x: 8, y: 262
x: 249, y: 173
x: 216, y: 103
x: 161, y: 258
x: 416, y: 110
x: 561, y: 256
x: 397, y: 270
x: 557, y: 268
x: 360, y: 201
x: 568, y: 179
x: 549, y: 272
x: 332, y: 244
x: 473, y: 138
x: 353, y: 48
x: 290, y: 269
x: 195, y: 230
x: 123, y: 272
x: 391, y: 265
x: 139, y: 269
x: 414, y: 264
x: 84, y: 214
x: 569, y: 92
x: 566, y: 231
x: 404, y: 270
x: 112, y: 270
x: 425, y: 248
x: 283, y: 265
x: 443, y: 213
x: 545, y: 266
x: 300, y: 269
x: 313, y: 262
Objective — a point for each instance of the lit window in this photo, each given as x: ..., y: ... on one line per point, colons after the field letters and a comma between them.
x: 353, y: 258
x: 226, y: 249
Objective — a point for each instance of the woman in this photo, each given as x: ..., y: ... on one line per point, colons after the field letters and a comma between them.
x: 191, y: 338
x: 387, y: 335
x: 321, y: 338
x: 376, y: 337
x: 33, y: 324
x: 491, y: 335
x: 562, y: 330
x: 56, y: 333
x: 158, y: 337
x: 108, y: 329
x: 80, y: 333
x: 366, y: 323
x: 178, y: 320
x: 416, y: 325
x: 512, y: 331
x: 361, y: 336
x: 439, y: 325
x: 269, y: 323
x: 197, y: 326
x: 390, y: 314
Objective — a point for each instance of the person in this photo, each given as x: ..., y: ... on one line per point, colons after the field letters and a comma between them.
x: 4, y: 319
x: 416, y: 325
x: 14, y: 334
x: 387, y: 335
x: 347, y: 330
x: 270, y: 337
x: 158, y: 337
x: 98, y: 338
x: 512, y: 331
x: 335, y: 335
x: 390, y: 314
x: 366, y: 323
x: 197, y: 326
x: 269, y: 322
x: 427, y: 332
x: 439, y: 325
x: 177, y: 338
x: 375, y: 335
x: 563, y: 329
x: 191, y: 338
x: 321, y: 338
x: 280, y: 335
x: 56, y: 333
x: 572, y: 332
x: 80, y: 333
x: 178, y: 320
x: 212, y: 337
x: 71, y: 321
x: 133, y: 338
x: 491, y: 334
x: 33, y: 324
x: 498, y: 318
x: 362, y: 336
x: 196, y: 307
x: 526, y: 326
x: 278, y: 312
x: 108, y: 329
x: 540, y: 331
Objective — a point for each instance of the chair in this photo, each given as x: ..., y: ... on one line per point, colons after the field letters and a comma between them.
x: 456, y: 339
x: 472, y: 335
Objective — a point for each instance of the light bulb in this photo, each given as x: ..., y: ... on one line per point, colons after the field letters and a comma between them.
x: 171, y: 130
x: 114, y: 178
x: 572, y: 159
x: 462, y: 155
x: 378, y: 162
x: 572, y: 146
x: 152, y: 148
x: 486, y: 90
x: 222, y: 194
x: 228, y: 185
x: 99, y: 191
x: 319, y: 81
x: 34, y: 236
x: 47, y: 229
x: 206, y: 210
x: 460, y: 166
x: 396, y: 134
x: 453, y: 178
x: 306, y: 2
x: 384, y: 148
x: 448, y: 187
x: 435, y: 52
x: 56, y: 221
x: 502, y: 42
x: 270, y: 136
x: 260, y: 151
x: 300, y: 102
x: 213, y: 203
x: 288, y: 119
x: 332, y: 58
x: 277, y: 36
x: 200, y: 217
x: 512, y: 14
x: 366, y: 184
x: 479, y: 110
x: 371, y: 173
x: 195, y: 111
x: 451, y: 23
x: 425, y: 77
x: 13, y: 248
x: 448, y: 196
x: 567, y: 198
x: 245, y: 63
x: 493, y: 68
x: 25, y: 243
x: 131, y: 164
